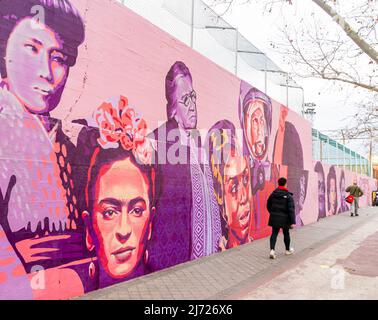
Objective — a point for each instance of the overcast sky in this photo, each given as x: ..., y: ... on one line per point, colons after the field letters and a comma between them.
x: 334, y: 105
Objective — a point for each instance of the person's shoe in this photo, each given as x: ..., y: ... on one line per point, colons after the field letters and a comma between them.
x: 357, y: 214
x: 272, y: 254
x: 351, y: 214
x: 289, y: 252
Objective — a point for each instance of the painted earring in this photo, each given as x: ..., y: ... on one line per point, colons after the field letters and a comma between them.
x: 146, y: 257
x: 92, y: 269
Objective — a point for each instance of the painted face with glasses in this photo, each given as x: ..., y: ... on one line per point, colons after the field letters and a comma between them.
x: 186, y: 108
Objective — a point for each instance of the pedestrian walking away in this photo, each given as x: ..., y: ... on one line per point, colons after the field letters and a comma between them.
x: 281, y: 216
x: 356, y: 192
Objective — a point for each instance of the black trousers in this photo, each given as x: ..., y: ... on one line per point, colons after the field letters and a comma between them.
x: 273, y: 237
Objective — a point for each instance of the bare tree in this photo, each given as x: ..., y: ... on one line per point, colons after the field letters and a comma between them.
x: 356, y: 37
x: 347, y: 53
x: 363, y: 125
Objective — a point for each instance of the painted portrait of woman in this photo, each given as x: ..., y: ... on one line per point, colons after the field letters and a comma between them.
x: 332, y: 191
x: 231, y: 175
x: 42, y: 40
x: 255, y: 113
x: 120, y: 195
x: 39, y: 44
x: 321, y: 190
x: 343, y: 204
x: 297, y: 177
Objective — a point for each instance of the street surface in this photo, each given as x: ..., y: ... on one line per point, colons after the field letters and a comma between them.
x: 335, y: 258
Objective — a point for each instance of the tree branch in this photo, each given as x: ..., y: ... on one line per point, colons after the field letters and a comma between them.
x: 364, y: 46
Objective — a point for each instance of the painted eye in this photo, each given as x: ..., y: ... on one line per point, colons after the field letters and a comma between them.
x: 109, y: 214
x: 62, y: 60
x: 245, y: 180
x: 234, y: 189
x: 186, y: 101
x: 137, y: 211
x: 59, y: 60
x: 31, y: 48
x: 194, y: 96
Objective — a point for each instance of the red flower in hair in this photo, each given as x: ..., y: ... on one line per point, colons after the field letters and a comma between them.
x: 121, y: 124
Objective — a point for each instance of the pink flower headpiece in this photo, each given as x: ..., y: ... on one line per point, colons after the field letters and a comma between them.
x: 121, y: 125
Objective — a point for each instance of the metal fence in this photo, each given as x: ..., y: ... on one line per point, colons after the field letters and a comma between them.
x: 197, y: 25
x: 331, y: 152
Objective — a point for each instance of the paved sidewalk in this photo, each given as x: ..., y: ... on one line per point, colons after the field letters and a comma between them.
x: 345, y: 270
x: 236, y: 273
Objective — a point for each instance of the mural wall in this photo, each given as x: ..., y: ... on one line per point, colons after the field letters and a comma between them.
x: 124, y: 152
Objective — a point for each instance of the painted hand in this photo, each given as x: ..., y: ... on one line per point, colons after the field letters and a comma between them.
x: 222, y: 244
x: 4, y: 201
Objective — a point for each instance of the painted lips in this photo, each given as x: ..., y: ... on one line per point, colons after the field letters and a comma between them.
x: 43, y: 92
x: 123, y: 254
x: 244, y: 218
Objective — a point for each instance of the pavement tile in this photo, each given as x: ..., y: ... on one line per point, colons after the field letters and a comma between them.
x: 225, y: 273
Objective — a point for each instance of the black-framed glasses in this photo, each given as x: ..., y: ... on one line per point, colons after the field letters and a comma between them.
x: 186, y: 99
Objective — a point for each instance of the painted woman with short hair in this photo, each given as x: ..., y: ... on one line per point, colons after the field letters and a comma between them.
x: 188, y: 225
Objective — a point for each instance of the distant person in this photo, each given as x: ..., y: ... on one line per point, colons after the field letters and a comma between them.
x: 356, y: 192
x: 282, y: 215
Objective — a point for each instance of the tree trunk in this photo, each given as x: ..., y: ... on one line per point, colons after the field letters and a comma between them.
x: 365, y: 47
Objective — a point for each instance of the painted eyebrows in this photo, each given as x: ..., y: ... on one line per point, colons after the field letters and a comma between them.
x: 134, y: 201
x: 120, y: 203
x: 53, y: 49
x: 232, y: 179
x: 36, y: 41
x: 111, y: 201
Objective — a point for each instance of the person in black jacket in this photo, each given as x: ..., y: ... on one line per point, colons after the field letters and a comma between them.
x: 282, y: 215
